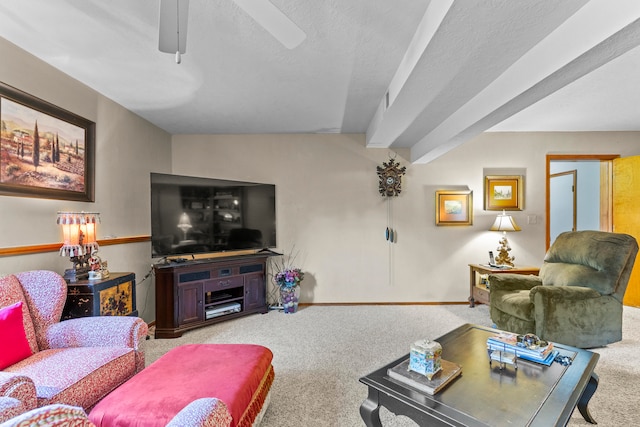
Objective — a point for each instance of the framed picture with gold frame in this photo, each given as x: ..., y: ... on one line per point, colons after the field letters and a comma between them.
x: 503, y: 192
x: 454, y: 207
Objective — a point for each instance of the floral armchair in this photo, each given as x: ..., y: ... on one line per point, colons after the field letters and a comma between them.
x: 45, y: 361
x: 205, y: 412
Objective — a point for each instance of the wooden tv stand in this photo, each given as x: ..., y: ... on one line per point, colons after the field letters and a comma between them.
x: 197, y: 293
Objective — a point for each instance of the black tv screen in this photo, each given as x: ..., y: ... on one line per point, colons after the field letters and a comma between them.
x: 192, y: 215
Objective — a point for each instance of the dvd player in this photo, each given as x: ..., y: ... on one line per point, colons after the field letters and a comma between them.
x: 221, y: 310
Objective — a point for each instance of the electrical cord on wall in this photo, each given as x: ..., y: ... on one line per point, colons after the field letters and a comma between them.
x: 146, y: 297
x: 274, y: 293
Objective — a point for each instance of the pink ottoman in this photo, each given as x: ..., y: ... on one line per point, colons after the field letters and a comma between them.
x: 240, y: 375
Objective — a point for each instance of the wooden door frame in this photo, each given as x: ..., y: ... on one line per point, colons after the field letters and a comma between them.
x: 605, y: 183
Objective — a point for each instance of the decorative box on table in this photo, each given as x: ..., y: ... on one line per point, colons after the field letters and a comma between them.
x: 425, y: 357
x: 112, y: 296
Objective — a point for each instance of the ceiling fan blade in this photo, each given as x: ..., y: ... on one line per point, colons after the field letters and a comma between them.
x: 174, y: 16
x: 274, y: 21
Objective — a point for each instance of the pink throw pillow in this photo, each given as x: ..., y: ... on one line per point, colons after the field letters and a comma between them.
x: 14, y: 346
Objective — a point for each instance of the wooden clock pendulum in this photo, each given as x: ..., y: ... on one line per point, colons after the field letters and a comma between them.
x: 390, y: 186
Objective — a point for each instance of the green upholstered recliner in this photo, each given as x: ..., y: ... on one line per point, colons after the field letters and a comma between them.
x: 577, y: 297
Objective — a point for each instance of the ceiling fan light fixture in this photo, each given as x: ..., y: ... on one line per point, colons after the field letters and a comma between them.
x: 174, y: 17
x: 172, y: 25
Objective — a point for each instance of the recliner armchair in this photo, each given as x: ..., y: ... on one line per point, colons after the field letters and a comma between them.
x: 577, y: 297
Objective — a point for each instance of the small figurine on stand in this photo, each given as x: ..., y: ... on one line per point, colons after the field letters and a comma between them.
x: 95, y: 266
x: 503, y: 358
x: 104, y: 270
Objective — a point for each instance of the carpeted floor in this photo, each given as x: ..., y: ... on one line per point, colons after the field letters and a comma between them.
x: 320, y: 352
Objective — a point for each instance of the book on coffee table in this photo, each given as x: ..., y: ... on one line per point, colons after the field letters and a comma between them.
x: 512, y: 343
x: 403, y: 375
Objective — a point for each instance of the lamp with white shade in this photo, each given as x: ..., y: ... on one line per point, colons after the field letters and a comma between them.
x: 184, y: 224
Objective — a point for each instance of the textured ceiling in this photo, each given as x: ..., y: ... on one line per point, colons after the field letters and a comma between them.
x: 451, y: 68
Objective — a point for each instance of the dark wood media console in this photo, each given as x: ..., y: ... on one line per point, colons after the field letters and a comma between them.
x: 197, y: 293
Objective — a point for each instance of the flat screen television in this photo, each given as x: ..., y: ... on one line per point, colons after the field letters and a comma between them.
x: 193, y: 215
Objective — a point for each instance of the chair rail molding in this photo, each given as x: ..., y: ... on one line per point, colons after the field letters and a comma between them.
x: 55, y: 247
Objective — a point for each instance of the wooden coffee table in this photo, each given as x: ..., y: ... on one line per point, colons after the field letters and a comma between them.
x: 484, y: 395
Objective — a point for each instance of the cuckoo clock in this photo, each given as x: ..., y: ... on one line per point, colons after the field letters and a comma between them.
x: 390, y: 175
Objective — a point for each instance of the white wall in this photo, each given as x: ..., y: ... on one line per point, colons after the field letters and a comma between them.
x: 128, y: 148
x: 329, y: 207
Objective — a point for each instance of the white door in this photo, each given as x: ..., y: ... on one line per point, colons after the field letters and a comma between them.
x: 562, y: 212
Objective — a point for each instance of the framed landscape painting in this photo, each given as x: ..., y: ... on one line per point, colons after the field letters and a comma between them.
x: 503, y: 192
x: 454, y: 207
x: 45, y: 151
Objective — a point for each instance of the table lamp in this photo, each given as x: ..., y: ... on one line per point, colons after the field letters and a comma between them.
x: 504, y: 223
x: 79, y: 242
x: 184, y: 224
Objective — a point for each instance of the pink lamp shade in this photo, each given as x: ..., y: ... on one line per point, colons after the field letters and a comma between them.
x: 79, y: 233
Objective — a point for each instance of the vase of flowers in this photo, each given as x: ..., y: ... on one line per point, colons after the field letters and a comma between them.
x: 288, y: 281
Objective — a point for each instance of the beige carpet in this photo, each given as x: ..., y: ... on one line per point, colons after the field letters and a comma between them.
x: 321, y: 351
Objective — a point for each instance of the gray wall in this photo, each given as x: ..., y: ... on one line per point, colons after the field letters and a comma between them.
x: 329, y: 210
x: 331, y: 214
x: 128, y: 148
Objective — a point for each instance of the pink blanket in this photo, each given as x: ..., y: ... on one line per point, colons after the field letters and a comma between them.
x: 231, y: 372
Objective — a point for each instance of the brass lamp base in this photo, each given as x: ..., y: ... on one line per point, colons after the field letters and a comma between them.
x: 80, y: 268
x: 503, y: 257
x: 75, y: 274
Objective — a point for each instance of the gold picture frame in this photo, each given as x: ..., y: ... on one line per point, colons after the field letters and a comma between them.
x: 454, y: 207
x: 503, y: 192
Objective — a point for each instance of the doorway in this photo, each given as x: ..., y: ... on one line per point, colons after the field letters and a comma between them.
x: 627, y: 172
x: 601, y: 191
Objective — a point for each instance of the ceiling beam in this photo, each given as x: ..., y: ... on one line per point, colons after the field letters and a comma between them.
x: 565, y: 56
x: 455, y: 82
x: 393, y: 116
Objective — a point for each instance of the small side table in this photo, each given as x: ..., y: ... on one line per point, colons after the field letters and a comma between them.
x: 112, y: 296
x: 478, y: 290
